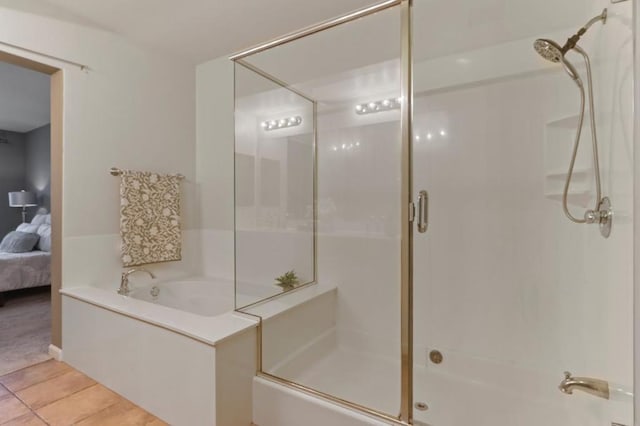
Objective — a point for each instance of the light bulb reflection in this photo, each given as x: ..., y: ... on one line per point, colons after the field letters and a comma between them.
x: 281, y: 123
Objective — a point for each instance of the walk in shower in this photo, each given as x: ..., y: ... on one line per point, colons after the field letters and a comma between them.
x: 409, y: 160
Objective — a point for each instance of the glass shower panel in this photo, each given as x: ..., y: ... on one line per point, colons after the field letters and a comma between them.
x: 508, y: 293
x: 274, y: 180
x: 345, y: 340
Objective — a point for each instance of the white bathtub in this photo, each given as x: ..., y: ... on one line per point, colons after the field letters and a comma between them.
x: 146, y: 348
x: 201, y: 297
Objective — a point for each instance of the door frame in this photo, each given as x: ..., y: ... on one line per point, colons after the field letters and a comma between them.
x: 56, y: 118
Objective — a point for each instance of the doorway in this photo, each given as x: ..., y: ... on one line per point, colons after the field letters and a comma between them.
x: 30, y: 212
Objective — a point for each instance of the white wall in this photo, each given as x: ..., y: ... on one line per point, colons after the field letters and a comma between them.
x: 215, y: 166
x: 133, y: 109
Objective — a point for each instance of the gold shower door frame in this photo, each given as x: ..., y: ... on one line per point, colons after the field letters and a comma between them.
x: 406, y: 250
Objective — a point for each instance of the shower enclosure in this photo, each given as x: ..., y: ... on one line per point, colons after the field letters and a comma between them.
x: 408, y: 160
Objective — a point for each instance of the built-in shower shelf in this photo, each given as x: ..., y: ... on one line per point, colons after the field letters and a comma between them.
x: 562, y: 175
x: 582, y: 199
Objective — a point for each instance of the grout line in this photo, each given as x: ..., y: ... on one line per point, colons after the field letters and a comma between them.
x: 14, y: 395
x: 34, y: 410
x: 109, y: 406
x: 29, y: 366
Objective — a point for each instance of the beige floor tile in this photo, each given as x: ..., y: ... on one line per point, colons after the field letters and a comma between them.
x: 11, y: 408
x: 3, y: 391
x: 157, y: 422
x: 51, y: 390
x: 78, y: 406
x: 122, y: 413
x: 26, y: 420
x: 35, y: 374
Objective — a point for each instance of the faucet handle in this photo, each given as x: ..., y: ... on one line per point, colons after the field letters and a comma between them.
x: 567, y: 374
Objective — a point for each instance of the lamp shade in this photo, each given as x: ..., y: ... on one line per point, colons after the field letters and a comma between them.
x: 22, y: 199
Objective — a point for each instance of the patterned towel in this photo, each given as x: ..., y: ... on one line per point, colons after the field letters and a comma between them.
x: 149, y: 218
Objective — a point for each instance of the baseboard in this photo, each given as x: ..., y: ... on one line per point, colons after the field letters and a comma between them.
x: 55, y: 352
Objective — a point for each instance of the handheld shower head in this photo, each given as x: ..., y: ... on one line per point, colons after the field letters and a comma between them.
x: 548, y: 49
x: 551, y: 51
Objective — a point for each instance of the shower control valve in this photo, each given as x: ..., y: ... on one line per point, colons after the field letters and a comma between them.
x: 603, y: 216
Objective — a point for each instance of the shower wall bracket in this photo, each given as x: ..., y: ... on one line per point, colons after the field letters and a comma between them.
x: 603, y: 216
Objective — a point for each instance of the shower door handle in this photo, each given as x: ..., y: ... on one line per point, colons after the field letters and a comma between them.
x: 423, y: 211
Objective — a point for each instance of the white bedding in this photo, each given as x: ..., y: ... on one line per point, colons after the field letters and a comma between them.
x: 23, y: 270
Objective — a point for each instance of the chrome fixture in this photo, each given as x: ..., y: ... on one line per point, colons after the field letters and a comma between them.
x: 154, y: 292
x: 283, y: 123
x: 421, y: 406
x: 423, y: 211
x: 596, y: 387
x: 436, y: 357
x: 378, y: 106
x: 552, y: 51
x: 124, y: 281
x: 114, y: 171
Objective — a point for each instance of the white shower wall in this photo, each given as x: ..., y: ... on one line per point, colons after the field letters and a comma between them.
x: 510, y: 291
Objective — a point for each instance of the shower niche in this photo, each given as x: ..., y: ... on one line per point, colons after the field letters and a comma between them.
x: 558, y: 141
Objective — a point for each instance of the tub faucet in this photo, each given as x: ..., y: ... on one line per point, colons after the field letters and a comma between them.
x: 596, y: 387
x: 124, y: 281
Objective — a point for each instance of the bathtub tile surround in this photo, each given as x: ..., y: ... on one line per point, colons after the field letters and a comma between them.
x: 149, y: 218
x: 54, y: 393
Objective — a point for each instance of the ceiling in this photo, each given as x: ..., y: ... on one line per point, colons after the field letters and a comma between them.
x: 197, y: 30
x: 200, y: 30
x: 24, y: 98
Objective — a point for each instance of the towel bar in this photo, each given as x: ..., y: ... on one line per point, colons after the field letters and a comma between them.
x: 117, y: 172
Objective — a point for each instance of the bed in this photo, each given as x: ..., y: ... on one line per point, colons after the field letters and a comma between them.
x: 24, y: 270
x: 29, y: 269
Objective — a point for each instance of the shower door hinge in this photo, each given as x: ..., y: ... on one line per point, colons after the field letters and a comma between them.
x: 412, y: 212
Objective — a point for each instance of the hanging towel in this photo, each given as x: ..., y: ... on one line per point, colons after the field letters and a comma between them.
x: 149, y: 218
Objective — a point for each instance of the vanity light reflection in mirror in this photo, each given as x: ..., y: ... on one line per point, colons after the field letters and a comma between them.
x: 282, y: 123
x: 378, y: 106
x: 431, y: 135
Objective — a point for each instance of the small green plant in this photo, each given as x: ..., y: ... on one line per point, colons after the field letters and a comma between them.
x: 288, y: 281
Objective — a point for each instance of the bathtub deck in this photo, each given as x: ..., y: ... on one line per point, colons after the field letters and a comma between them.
x: 52, y: 393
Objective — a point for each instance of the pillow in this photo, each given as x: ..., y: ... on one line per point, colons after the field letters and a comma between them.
x: 19, y: 242
x: 28, y: 227
x: 40, y: 219
x: 44, y: 243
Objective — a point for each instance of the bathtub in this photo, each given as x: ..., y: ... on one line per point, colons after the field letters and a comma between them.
x: 201, y: 297
x: 168, y: 347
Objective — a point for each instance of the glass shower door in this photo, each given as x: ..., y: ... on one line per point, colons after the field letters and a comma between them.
x: 508, y: 293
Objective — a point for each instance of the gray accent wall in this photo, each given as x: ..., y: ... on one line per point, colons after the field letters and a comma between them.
x: 25, y: 163
x: 38, y: 165
x: 12, y: 178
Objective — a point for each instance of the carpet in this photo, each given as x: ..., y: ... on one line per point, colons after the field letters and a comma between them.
x: 25, y: 329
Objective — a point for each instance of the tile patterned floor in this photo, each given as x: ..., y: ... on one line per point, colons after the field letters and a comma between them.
x: 52, y: 393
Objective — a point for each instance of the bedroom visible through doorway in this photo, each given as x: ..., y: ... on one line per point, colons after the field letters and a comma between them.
x: 25, y: 219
